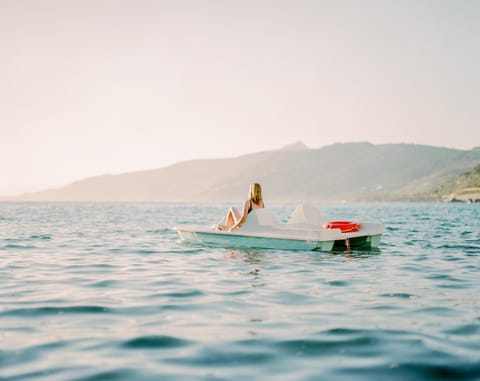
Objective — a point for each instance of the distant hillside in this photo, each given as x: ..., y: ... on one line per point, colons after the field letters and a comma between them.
x: 465, y: 187
x: 350, y: 171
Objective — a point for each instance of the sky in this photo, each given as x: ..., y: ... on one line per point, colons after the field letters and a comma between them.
x: 89, y: 87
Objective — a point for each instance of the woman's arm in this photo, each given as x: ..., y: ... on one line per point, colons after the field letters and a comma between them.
x: 243, y: 218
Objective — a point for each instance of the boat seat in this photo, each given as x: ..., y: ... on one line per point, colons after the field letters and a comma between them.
x: 306, y: 215
x: 259, y: 218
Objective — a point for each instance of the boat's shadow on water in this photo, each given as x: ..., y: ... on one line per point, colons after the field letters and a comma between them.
x: 356, y: 253
x: 259, y: 256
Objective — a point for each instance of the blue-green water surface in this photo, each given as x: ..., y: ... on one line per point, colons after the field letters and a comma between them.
x: 106, y: 291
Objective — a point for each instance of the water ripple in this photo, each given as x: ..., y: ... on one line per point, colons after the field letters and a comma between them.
x: 154, y: 342
x: 41, y: 311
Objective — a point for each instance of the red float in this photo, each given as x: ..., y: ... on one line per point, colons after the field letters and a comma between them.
x: 344, y: 226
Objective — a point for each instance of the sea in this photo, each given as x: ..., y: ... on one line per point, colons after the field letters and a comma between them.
x: 107, y: 291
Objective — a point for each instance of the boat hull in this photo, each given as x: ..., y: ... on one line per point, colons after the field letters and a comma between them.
x: 222, y: 239
x: 258, y: 242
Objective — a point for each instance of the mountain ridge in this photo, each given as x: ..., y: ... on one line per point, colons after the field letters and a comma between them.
x: 355, y: 171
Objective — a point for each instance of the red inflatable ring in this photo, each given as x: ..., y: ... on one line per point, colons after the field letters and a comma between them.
x: 344, y: 226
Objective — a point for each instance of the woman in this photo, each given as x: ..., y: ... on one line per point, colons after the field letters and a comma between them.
x: 255, y: 201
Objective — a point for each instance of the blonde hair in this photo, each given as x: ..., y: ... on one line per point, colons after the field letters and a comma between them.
x: 255, y: 193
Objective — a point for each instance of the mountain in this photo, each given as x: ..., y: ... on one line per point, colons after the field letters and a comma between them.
x: 297, y: 146
x: 342, y: 171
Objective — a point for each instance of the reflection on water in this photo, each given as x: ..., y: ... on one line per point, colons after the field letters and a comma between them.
x: 248, y: 256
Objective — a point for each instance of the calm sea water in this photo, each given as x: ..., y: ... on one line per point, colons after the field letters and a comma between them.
x: 108, y: 292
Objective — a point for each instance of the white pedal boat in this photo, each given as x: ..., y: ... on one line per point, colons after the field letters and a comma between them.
x: 304, y: 231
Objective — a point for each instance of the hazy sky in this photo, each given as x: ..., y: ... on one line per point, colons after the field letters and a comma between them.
x: 89, y: 87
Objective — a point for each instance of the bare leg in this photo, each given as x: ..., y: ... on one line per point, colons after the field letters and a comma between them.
x: 232, y: 217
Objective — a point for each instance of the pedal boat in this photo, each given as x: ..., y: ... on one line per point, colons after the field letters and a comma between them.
x: 305, y: 230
